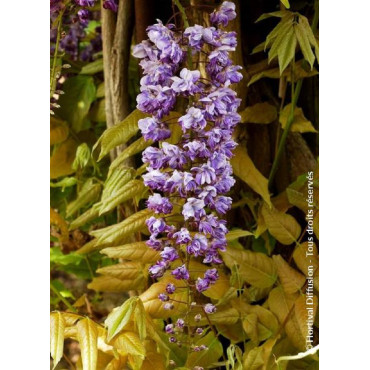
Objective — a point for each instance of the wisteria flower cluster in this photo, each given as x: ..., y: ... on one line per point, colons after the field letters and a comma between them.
x: 189, y: 179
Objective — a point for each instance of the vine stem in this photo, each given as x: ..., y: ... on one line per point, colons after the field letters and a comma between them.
x: 52, y: 77
x: 62, y: 298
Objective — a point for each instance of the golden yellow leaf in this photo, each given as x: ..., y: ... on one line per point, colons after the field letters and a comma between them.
x: 245, y: 169
x: 153, y: 361
x: 259, y: 113
x: 62, y: 159
x: 59, y: 130
x: 255, y: 268
x: 300, y: 122
x: 250, y: 327
x: 116, y: 285
x: 138, y: 251
x: 129, y: 343
x: 282, y: 227
x: 290, y: 279
x: 56, y: 337
x: 87, y: 335
x: 316, y: 280
x: 123, y: 271
x: 281, y: 304
x: 306, y: 257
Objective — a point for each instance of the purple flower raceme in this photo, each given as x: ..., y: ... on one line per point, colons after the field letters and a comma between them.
x: 189, y: 180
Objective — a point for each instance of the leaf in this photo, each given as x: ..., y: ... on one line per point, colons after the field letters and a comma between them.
x: 62, y: 159
x: 286, y: 50
x: 87, y: 335
x: 205, y: 358
x: 127, y: 192
x: 86, y: 217
x: 290, y: 279
x: 75, y: 103
x: 56, y: 337
x: 303, y: 33
x: 281, y: 304
x: 119, y: 317
x: 116, y: 180
x: 300, y: 122
x: 136, y: 147
x: 259, y: 113
x: 285, y: 3
x: 129, y: 343
x: 66, y: 182
x: 100, y: 91
x: 255, y: 268
x: 82, y: 156
x: 257, y: 358
x: 115, y: 285
x: 282, y: 227
x: 305, y: 256
x: 225, y: 316
x: 236, y: 234
x: 56, y: 219
x: 153, y: 361
x: 250, y: 327
x: 244, y: 168
x: 92, y: 67
x: 139, y: 317
x: 138, y: 251
x: 116, y: 233
x: 89, y: 193
x: 277, y: 14
x: 123, y: 271
x: 97, y: 112
x: 120, y: 133
x: 59, y: 130
x: 280, y: 39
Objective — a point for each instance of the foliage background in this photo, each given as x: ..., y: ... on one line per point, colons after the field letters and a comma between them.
x: 96, y: 183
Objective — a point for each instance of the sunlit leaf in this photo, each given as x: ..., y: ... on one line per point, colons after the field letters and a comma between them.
x: 282, y: 227
x: 245, y: 169
x: 56, y: 336
x: 87, y: 335
x: 87, y: 216
x: 306, y: 256
x: 255, y: 268
x: 286, y: 3
x: 129, y: 343
x: 112, y: 284
x: 290, y: 279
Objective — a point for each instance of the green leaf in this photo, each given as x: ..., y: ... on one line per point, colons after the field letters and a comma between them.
x: 140, y: 316
x: 119, y: 317
x: 136, y: 147
x: 120, y: 133
x: 89, y: 193
x: 93, y: 67
x: 255, y: 268
x: 64, y: 183
x: 259, y: 113
x: 282, y: 227
x: 285, y: 3
x: 100, y: 91
x: 305, y: 39
x: 208, y: 357
x: 300, y: 122
x: 82, y: 156
x: 87, y: 335
x: 115, y: 234
x: 286, y: 50
x: 280, y: 40
x: 75, y: 103
x: 236, y: 234
x: 128, y: 191
x: 56, y: 337
x: 277, y: 14
x: 116, y: 180
x: 86, y: 217
x: 97, y: 112
x: 245, y: 169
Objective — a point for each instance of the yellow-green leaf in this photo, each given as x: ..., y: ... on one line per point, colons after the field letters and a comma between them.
x: 59, y: 130
x: 92, y: 67
x: 120, y: 317
x: 286, y: 3
x: 120, y: 133
x: 56, y: 337
x: 115, y: 234
x: 139, y: 317
x: 123, y: 271
x: 290, y: 279
x: 300, y: 122
x: 129, y: 343
x: 87, y: 216
x: 304, y: 34
x: 97, y: 112
x: 62, y: 159
x: 113, y: 284
x: 255, y: 268
x: 286, y: 50
x: 87, y: 335
x: 245, y: 169
x: 282, y: 227
x: 259, y: 113
x: 138, y: 251
x: 236, y: 234
x: 306, y: 255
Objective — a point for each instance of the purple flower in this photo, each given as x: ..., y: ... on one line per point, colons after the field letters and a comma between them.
x: 111, y: 5
x: 163, y: 297
x: 195, y: 36
x: 198, y: 245
x: 85, y: 2
x: 175, y: 157
x: 193, y: 119
x: 196, y: 149
x: 154, y: 243
x: 83, y: 16
x: 202, y: 285
x: 158, y: 269
x: 156, y: 225
x: 181, y: 273
x: 211, y: 275
x: 180, y: 323
x: 153, y: 156
x: 199, y: 331
x: 209, y: 308
x: 169, y: 254
x: 225, y: 14
x: 155, y: 179
x: 169, y: 329
x: 152, y: 129
x: 168, y: 306
x: 172, y: 340
x: 170, y: 288
x: 182, y: 236
x: 187, y: 82
x: 204, y: 174
x: 193, y: 208
x: 159, y: 204
x: 222, y: 204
